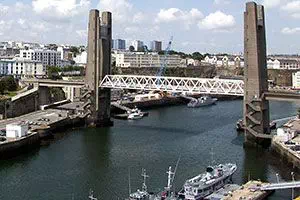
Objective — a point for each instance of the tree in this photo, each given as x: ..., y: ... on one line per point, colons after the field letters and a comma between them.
x: 74, y: 50
x: 10, y: 83
x: 197, y: 56
x: 53, y: 72
x: 131, y: 48
x: 2, y: 87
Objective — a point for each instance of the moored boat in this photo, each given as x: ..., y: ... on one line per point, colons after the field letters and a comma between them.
x: 206, y: 183
x: 202, y: 101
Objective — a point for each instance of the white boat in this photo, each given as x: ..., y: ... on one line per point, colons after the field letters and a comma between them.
x: 202, y: 101
x: 135, y: 114
x: 206, y: 183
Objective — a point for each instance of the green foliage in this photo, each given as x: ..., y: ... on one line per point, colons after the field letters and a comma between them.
x: 75, y: 50
x: 131, y: 48
x: 195, y: 55
x: 10, y: 83
x: 2, y: 87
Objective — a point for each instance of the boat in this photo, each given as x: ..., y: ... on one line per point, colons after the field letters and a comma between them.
x: 140, y: 194
x: 202, y: 101
x: 135, y: 114
x: 240, y: 126
x: 206, y: 183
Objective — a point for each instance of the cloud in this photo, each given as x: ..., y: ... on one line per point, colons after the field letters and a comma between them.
x: 221, y: 2
x: 290, y: 31
x: 3, y: 9
x: 217, y: 21
x: 175, y: 14
x: 82, y: 33
x: 271, y: 3
x: 139, y: 18
x: 292, y: 8
x: 121, y: 9
x: 60, y: 9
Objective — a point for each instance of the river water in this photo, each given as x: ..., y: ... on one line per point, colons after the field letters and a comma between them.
x: 99, y: 159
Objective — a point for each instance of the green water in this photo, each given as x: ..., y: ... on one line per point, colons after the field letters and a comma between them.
x: 99, y: 159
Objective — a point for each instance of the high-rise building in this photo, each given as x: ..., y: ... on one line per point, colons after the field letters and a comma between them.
x: 156, y: 46
x: 119, y: 44
x: 138, y: 45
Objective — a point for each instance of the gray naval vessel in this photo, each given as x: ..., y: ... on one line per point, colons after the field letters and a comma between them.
x: 196, y: 188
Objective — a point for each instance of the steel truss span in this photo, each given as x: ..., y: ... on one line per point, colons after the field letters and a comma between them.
x: 175, y: 84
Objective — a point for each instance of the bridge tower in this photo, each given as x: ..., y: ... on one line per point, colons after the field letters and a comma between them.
x: 98, y: 66
x: 256, y: 107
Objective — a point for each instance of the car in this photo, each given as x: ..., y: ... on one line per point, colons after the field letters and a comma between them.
x: 2, y: 139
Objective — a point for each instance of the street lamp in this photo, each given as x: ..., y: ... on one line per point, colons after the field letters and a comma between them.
x: 293, y: 179
x: 277, y: 176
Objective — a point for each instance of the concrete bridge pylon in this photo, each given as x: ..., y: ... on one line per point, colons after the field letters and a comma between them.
x: 256, y: 107
x: 98, y: 66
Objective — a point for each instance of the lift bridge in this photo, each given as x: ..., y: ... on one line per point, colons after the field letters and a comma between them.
x: 175, y: 84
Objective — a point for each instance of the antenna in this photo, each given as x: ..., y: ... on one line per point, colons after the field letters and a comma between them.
x: 175, y: 171
x: 129, y: 181
x: 145, y: 176
x: 212, y: 156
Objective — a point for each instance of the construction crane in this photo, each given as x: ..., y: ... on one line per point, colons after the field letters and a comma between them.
x: 164, y: 63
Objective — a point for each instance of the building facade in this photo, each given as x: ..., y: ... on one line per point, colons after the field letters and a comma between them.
x: 138, y: 45
x: 156, y: 46
x: 146, y: 60
x: 6, y: 67
x: 296, y: 80
x: 46, y: 57
x: 119, y: 44
x: 25, y: 67
x: 225, y: 61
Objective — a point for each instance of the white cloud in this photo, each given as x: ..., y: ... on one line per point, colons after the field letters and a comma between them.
x: 271, y: 3
x: 217, y: 21
x: 121, y: 9
x: 290, y: 31
x: 175, y: 14
x: 292, y: 8
x: 21, y: 7
x: 3, y: 9
x: 82, y: 33
x: 139, y: 18
x: 60, y: 9
x: 221, y: 2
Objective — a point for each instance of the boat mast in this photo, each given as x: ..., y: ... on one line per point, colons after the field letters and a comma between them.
x: 145, y: 176
x: 170, y: 177
x: 129, y: 182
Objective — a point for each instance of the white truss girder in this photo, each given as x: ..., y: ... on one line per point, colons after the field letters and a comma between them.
x: 175, y: 84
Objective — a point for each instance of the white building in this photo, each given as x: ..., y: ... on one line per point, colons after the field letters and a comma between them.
x: 140, y: 59
x: 225, y: 61
x: 296, y: 80
x: 46, y: 57
x: 16, y: 130
x: 81, y: 59
x: 138, y: 45
x: 273, y: 64
x: 65, y: 52
x: 25, y: 67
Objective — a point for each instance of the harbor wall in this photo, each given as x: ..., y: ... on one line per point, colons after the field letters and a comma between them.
x: 9, y: 149
x: 286, y: 155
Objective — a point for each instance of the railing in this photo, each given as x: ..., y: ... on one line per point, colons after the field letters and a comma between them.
x: 175, y: 84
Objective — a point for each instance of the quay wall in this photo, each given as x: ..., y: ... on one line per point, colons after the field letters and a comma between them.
x: 9, y: 149
x: 286, y: 155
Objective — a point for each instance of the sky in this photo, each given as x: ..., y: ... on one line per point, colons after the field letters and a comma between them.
x: 214, y: 26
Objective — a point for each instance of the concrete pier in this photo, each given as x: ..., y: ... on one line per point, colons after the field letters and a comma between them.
x: 256, y: 107
x: 99, y: 65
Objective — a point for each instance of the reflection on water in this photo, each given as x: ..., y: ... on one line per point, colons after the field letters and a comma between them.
x: 99, y: 159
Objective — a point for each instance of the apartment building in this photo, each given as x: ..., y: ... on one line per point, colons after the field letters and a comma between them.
x: 46, y: 57
x: 141, y: 59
